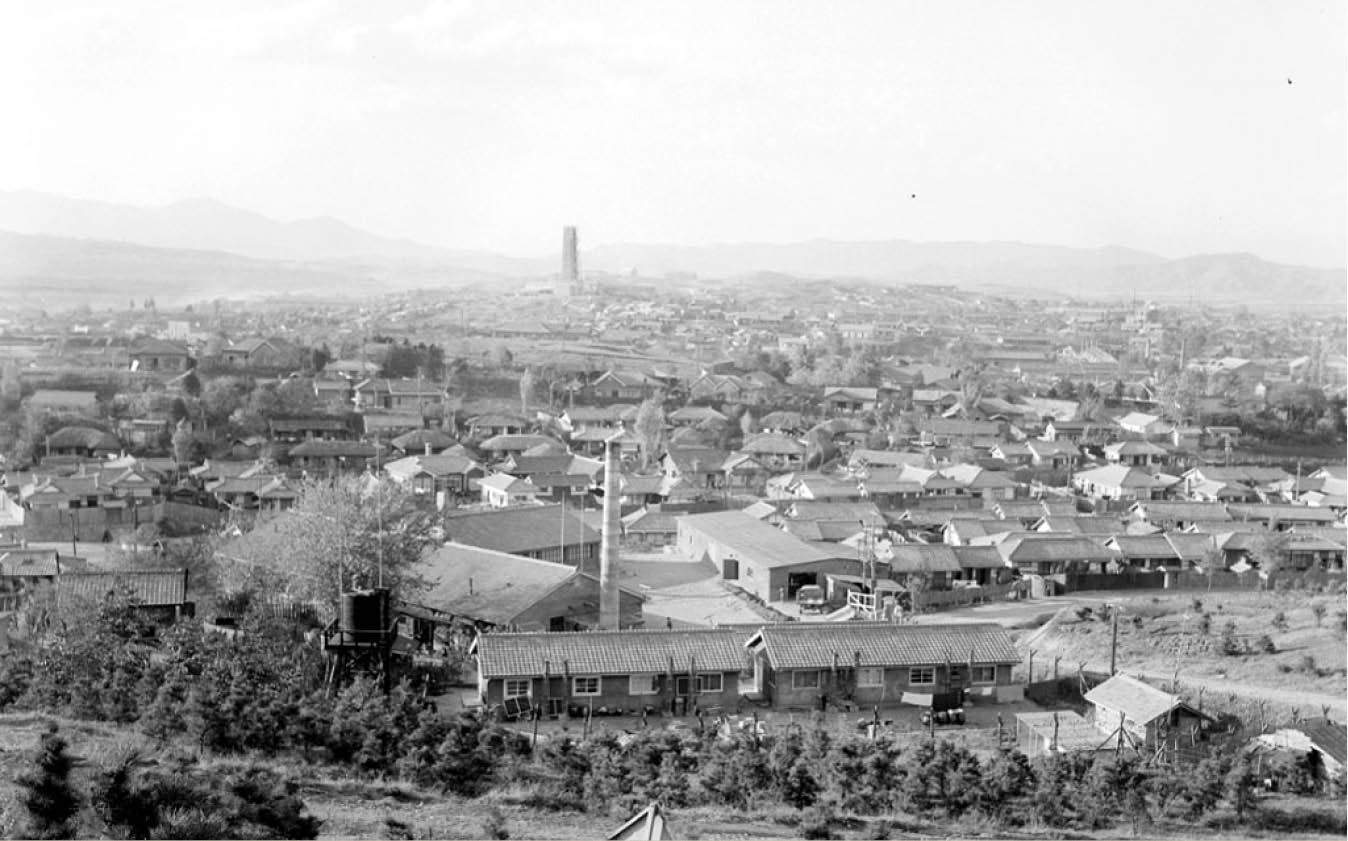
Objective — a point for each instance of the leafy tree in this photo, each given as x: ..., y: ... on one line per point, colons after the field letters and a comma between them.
x: 1269, y: 551
x: 649, y: 427
x: 49, y: 797
x: 1279, y: 621
x: 1318, y: 611
x: 528, y: 381
x: 339, y: 531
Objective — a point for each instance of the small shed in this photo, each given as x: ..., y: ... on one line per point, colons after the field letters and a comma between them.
x: 1144, y: 712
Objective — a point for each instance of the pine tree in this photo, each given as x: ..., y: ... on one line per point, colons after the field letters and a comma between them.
x: 49, y: 795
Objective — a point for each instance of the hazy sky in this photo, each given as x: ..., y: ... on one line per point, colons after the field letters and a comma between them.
x: 1166, y: 126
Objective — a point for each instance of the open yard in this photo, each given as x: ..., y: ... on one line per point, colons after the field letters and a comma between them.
x: 1263, y: 646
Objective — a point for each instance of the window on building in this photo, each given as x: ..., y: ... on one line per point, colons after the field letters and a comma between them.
x: 805, y: 680
x: 643, y: 684
x: 709, y: 683
x: 517, y: 688
x: 985, y: 674
x: 922, y: 676
x: 585, y: 686
x: 873, y: 676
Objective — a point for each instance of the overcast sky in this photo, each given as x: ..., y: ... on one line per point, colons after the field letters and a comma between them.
x: 1175, y: 127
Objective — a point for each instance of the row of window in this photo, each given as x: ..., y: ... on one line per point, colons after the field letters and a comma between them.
x: 649, y: 684
x: 642, y: 684
x: 917, y: 676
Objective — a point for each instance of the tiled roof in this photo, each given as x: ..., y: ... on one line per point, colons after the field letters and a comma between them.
x: 517, y: 442
x: 1304, y: 513
x: 417, y: 440
x: 800, y: 645
x: 773, y: 444
x: 333, y: 449
x: 707, y: 459
x: 1133, y: 698
x: 978, y: 557
x: 1146, y: 546
x: 508, y: 483
x: 923, y: 557
x: 147, y: 588
x: 1119, y: 476
x: 1187, y: 511
x: 1033, y: 548
x: 83, y: 436
x: 611, y: 652
x: 1329, y: 737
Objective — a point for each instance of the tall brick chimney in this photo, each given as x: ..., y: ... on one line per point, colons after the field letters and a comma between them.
x: 609, y: 612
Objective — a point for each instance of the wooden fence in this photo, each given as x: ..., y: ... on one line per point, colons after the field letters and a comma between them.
x: 936, y: 599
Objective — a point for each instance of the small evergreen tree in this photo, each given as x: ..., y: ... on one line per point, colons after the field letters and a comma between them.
x: 49, y: 796
x: 1240, y: 782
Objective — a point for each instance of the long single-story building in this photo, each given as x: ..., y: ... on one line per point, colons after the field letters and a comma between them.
x: 670, y: 670
x: 795, y: 664
x: 758, y: 558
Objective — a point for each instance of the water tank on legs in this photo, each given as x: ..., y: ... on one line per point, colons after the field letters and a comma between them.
x: 365, y: 615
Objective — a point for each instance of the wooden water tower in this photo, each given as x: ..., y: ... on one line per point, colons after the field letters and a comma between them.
x: 360, y: 640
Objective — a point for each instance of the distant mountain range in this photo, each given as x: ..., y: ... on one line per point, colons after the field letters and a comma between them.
x: 54, y: 247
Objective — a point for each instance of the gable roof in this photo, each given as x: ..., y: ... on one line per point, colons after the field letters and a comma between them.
x: 83, y: 436
x: 1119, y: 476
x: 610, y: 652
x: 753, y: 540
x: 1135, y: 699
x: 487, y: 585
x: 1035, y: 547
x: 522, y: 529
x: 923, y: 557
x: 819, y: 645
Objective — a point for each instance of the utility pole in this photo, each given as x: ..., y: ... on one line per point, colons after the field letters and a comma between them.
x: 1113, y: 640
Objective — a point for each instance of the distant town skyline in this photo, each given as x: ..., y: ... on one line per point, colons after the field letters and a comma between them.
x: 1177, y: 129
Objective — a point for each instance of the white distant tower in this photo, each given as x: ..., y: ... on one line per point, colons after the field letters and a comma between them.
x: 569, y: 281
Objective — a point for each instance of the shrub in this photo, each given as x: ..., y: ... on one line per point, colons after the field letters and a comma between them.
x: 1205, y: 624
x: 1266, y: 645
x: 817, y: 822
x: 494, y: 825
x: 1307, y: 664
x: 1230, y: 645
x: 1279, y: 621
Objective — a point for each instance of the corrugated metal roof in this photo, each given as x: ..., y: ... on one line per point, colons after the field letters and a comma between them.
x: 489, y: 586
x: 752, y: 540
x: 801, y: 645
x: 610, y: 652
x: 518, y: 529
